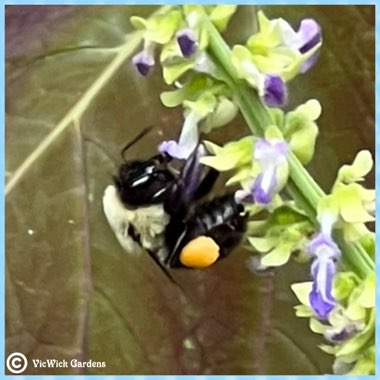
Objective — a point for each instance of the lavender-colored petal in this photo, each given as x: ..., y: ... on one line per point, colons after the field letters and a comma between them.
x: 271, y: 150
x: 187, y: 141
x: 262, y: 145
x: 167, y: 146
x: 309, y: 34
x: 321, y: 307
x: 309, y: 63
x: 187, y: 42
x: 323, y: 244
x: 269, y: 154
x: 143, y: 62
x: 337, y: 337
x: 263, y: 194
x: 275, y: 91
x: 314, y: 269
x: 324, y: 251
x: 323, y: 272
x: 260, y: 196
x: 281, y: 147
x: 326, y: 288
x: 321, y: 300
x: 173, y: 149
x: 340, y: 336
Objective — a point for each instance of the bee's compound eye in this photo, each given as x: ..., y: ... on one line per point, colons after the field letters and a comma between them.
x: 199, y: 253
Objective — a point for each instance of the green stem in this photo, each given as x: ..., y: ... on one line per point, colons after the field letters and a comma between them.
x: 302, y: 186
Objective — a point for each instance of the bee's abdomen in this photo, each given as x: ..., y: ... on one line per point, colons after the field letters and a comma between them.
x: 220, y: 211
x: 222, y: 219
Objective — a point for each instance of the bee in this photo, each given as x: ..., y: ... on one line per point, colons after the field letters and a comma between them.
x: 154, y: 207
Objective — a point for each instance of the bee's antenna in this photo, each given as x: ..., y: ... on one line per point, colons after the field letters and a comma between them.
x: 134, y: 140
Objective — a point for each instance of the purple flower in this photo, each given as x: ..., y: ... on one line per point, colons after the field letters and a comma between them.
x: 187, y: 42
x: 188, y: 139
x: 143, y: 61
x: 312, y: 36
x: 264, y: 187
x: 325, y: 252
x: 308, y: 36
x: 342, y: 327
x: 345, y: 333
x: 170, y: 147
x: 270, y: 155
x: 321, y: 300
x: 275, y: 91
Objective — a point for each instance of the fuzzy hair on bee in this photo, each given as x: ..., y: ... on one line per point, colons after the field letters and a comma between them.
x: 136, y: 229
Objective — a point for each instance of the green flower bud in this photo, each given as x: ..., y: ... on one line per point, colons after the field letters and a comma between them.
x: 159, y: 28
x: 344, y: 283
x: 356, y: 172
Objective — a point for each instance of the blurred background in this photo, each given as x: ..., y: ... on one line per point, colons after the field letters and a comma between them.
x: 71, y: 292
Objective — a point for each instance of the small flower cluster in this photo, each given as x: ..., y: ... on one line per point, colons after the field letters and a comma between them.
x: 349, y: 325
x: 261, y: 165
x: 186, y: 64
x: 262, y: 172
x: 339, y: 304
x: 354, y: 203
x: 275, y: 55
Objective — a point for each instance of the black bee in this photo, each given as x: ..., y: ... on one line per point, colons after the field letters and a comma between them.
x: 160, y: 209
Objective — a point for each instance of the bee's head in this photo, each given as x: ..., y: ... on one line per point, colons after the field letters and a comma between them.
x: 144, y: 182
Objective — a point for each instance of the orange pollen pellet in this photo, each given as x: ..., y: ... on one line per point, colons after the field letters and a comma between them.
x: 200, y: 252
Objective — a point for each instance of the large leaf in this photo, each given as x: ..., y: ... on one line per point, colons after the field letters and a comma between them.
x: 72, y: 101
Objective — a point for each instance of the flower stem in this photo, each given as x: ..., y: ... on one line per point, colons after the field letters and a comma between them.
x: 305, y: 191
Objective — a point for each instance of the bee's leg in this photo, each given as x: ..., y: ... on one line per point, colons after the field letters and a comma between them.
x: 162, y: 267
